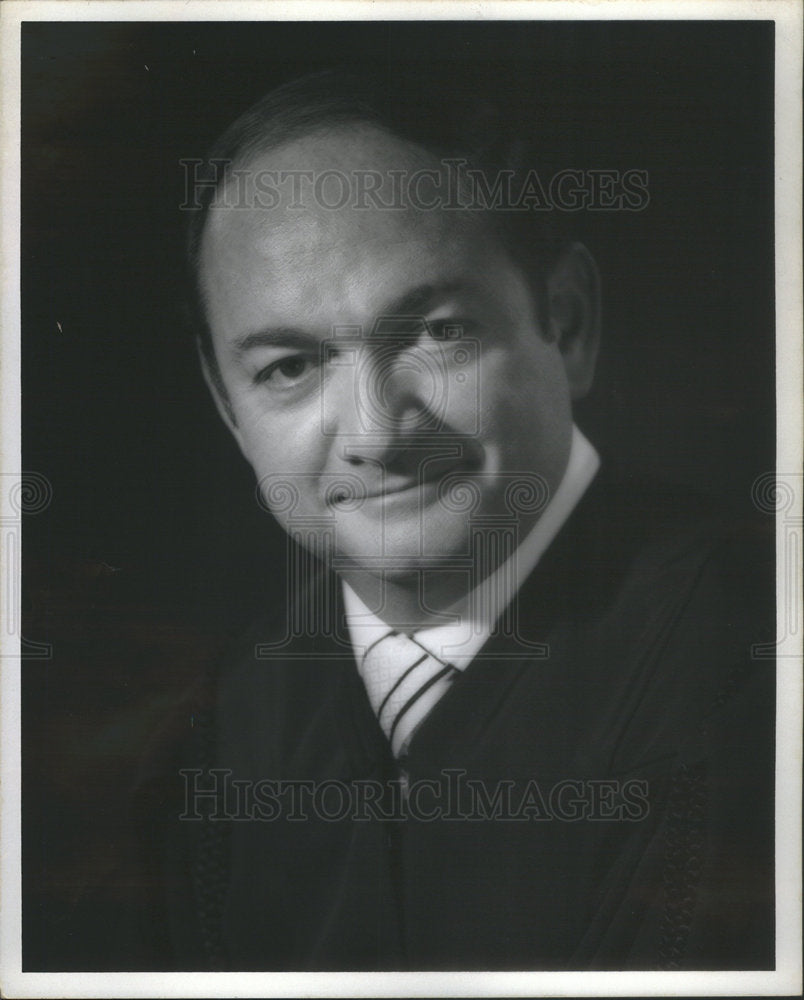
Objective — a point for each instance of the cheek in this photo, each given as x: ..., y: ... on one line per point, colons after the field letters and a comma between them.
x: 525, y: 398
x: 289, y: 458
x: 284, y: 444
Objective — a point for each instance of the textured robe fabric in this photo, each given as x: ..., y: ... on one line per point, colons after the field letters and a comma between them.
x: 600, y: 789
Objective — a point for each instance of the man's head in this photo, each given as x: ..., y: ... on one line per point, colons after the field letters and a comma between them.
x: 377, y: 357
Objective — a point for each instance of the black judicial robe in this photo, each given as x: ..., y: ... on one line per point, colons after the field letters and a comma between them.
x: 600, y: 779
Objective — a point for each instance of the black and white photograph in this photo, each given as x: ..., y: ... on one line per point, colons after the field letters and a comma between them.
x: 401, y: 499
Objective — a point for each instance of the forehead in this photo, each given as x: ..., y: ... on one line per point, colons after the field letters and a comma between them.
x: 271, y: 243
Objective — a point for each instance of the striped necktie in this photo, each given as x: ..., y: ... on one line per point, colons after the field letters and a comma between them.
x: 404, y: 681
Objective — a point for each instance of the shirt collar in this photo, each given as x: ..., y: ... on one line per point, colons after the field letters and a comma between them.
x: 460, y: 642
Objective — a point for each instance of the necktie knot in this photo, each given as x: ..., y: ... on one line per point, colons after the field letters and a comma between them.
x: 404, y: 681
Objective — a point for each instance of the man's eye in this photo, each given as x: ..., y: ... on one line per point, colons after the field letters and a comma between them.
x: 285, y: 370
x: 451, y: 328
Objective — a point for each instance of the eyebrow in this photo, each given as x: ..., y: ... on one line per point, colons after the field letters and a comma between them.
x: 412, y: 303
x: 280, y: 336
x: 422, y: 298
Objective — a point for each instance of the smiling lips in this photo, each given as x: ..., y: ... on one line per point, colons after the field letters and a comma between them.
x: 396, y: 484
x: 403, y: 487
x: 393, y: 489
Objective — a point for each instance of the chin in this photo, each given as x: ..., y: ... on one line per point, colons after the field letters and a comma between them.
x: 400, y: 563
x: 406, y: 544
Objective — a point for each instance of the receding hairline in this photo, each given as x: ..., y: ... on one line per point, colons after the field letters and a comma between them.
x: 343, y: 157
x: 270, y: 142
x: 278, y: 238
x: 328, y: 101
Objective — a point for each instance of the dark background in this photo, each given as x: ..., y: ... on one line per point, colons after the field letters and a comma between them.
x: 153, y: 538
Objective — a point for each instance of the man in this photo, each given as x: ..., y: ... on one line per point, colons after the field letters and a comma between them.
x: 527, y: 676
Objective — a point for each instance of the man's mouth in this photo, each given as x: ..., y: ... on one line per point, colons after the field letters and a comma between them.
x: 387, y: 491
x: 402, y: 487
x: 393, y: 485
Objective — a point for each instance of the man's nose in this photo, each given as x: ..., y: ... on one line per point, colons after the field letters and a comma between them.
x: 401, y: 388
x: 394, y: 392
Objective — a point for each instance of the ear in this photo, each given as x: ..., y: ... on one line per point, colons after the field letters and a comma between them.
x: 573, y: 292
x: 218, y: 392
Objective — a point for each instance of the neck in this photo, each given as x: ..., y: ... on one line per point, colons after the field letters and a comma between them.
x: 414, y: 601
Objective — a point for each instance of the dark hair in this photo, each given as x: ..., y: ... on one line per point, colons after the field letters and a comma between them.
x: 441, y: 117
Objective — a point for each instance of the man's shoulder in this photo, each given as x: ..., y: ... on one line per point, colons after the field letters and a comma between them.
x: 674, y: 594
x: 639, y: 529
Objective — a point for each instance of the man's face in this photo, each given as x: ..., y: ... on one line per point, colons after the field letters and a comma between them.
x: 386, y: 370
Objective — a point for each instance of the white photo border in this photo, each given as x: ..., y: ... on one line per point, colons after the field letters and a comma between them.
x: 786, y: 978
